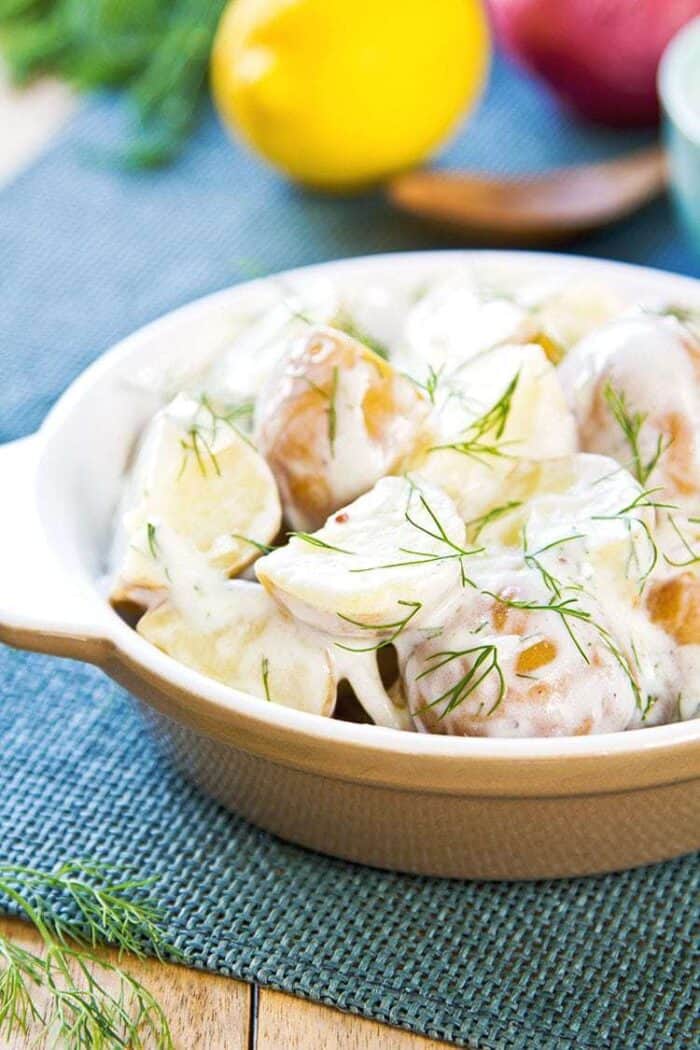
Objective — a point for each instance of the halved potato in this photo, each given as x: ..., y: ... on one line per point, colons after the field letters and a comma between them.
x: 454, y: 321
x: 633, y: 387
x: 565, y: 310
x: 258, y: 648
x: 199, y: 476
x: 333, y: 420
x: 501, y: 670
x: 502, y: 407
x: 390, y: 556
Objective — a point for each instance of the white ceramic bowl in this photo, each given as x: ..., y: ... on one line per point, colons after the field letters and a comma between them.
x: 475, y: 807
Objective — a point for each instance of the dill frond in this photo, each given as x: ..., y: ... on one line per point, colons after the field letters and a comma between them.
x: 482, y: 438
x: 265, y: 674
x: 631, y: 424
x: 77, y: 1007
x: 396, y: 627
x: 315, y: 541
x: 484, y: 664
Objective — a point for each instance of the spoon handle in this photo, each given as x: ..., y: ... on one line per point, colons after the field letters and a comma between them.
x: 547, y: 206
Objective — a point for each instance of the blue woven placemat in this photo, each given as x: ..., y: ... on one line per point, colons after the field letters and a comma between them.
x: 87, y: 254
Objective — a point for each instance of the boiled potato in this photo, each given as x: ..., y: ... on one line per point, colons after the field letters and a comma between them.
x: 392, y: 555
x: 255, y: 647
x: 565, y: 310
x: 633, y: 387
x: 334, y: 419
x: 196, y: 474
x: 500, y: 670
x: 502, y: 407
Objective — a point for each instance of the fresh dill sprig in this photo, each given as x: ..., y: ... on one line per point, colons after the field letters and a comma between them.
x: 484, y: 664
x: 332, y: 411
x: 480, y: 523
x: 456, y: 552
x: 264, y: 548
x: 152, y: 542
x: 265, y: 675
x: 315, y: 541
x: 532, y: 560
x: 347, y: 325
x: 631, y: 423
x: 396, y: 627
x: 693, y: 556
x: 78, y: 1006
x: 483, y: 437
x: 430, y: 385
x: 568, y: 610
x: 203, y: 453
x: 329, y: 396
x: 203, y: 432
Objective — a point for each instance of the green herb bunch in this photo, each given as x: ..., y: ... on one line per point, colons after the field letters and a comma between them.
x: 157, y: 49
x: 69, y: 996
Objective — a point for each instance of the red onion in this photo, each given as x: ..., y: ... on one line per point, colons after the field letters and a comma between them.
x: 598, y: 56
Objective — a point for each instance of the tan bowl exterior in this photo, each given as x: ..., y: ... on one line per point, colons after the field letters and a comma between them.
x: 339, y: 801
x: 465, y: 808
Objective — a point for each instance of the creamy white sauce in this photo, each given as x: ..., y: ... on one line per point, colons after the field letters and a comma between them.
x: 582, y: 532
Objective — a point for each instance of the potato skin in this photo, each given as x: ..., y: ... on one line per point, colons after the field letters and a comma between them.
x: 674, y: 604
x: 334, y: 420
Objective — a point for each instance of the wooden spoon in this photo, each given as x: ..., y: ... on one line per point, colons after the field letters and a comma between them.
x: 551, y: 206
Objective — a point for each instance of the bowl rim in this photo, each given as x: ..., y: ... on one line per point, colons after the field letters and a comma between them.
x: 672, y: 80
x: 219, y: 704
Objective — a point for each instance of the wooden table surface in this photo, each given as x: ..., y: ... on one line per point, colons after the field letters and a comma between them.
x: 204, y: 1011
x: 208, y: 1012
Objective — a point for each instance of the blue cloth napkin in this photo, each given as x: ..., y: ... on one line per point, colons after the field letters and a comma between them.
x: 87, y: 254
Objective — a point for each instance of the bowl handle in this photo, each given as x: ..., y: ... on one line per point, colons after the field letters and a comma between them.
x: 43, y: 606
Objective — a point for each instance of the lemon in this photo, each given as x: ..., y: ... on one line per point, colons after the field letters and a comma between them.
x: 341, y: 93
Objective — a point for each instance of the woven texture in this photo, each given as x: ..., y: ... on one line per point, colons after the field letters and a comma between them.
x: 87, y: 254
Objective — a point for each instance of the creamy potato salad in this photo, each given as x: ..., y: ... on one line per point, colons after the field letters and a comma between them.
x: 477, y: 506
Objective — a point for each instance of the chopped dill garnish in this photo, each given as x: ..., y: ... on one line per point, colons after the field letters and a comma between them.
x: 396, y: 627
x: 264, y: 548
x: 265, y: 674
x: 152, y: 542
x: 457, y: 552
x: 631, y: 423
x: 568, y: 610
x: 314, y: 541
x: 693, y: 556
x: 202, y: 451
x: 431, y: 383
x: 485, y: 663
x: 347, y: 325
x: 203, y: 431
x: 531, y: 558
x: 332, y: 412
x: 483, y: 436
x: 480, y: 523
x: 642, y: 501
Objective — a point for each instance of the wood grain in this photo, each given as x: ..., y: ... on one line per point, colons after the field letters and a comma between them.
x: 204, y: 1010
x: 286, y: 1023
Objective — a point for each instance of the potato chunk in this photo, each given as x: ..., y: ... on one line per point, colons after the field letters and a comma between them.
x: 392, y: 554
x: 504, y: 406
x: 199, y: 476
x: 500, y: 669
x: 628, y: 406
x: 334, y: 419
x: 257, y: 648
